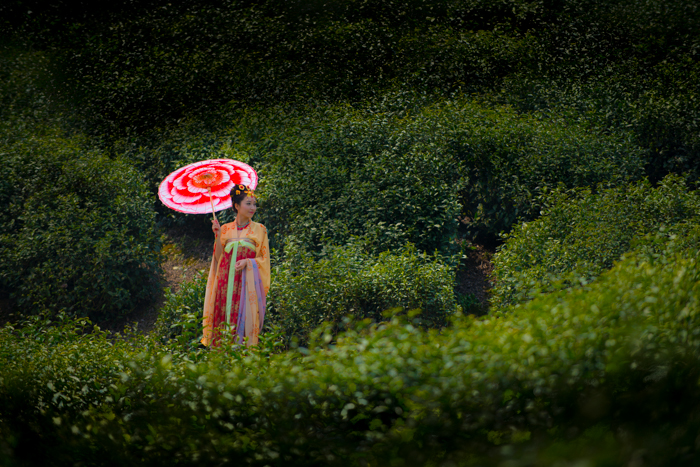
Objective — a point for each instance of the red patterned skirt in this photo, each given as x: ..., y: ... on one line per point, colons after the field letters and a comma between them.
x: 219, y: 318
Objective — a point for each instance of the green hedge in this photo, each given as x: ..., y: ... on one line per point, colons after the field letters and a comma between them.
x: 404, y: 169
x: 593, y: 375
x: 624, y: 66
x: 582, y: 234
x: 657, y: 105
x: 351, y: 282
x: 180, y: 318
x: 628, y: 66
x: 138, y: 69
x: 77, y: 229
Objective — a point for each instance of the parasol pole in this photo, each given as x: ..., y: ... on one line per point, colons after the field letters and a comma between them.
x: 212, y: 206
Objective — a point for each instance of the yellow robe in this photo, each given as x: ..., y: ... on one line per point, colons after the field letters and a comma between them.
x: 255, y: 232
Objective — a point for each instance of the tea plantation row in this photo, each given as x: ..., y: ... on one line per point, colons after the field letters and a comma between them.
x: 597, y: 374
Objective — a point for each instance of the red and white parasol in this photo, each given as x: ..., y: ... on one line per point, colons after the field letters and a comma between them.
x: 204, y: 187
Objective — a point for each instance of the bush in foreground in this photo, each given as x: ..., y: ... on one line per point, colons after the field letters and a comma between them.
x: 599, y: 375
x: 180, y: 318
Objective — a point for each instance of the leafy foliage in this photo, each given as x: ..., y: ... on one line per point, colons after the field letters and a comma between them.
x: 399, y: 173
x: 180, y: 317
x: 511, y: 100
x: 622, y: 65
x: 345, y: 283
x: 165, y: 62
x: 402, y: 168
x: 77, y: 228
x: 593, y: 374
x: 583, y: 234
x: 350, y: 282
x: 657, y: 105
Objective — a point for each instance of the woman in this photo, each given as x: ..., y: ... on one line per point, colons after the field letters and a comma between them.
x: 239, y: 276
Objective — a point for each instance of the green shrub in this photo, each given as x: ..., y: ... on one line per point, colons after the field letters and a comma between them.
x: 471, y: 304
x: 350, y: 281
x: 77, y: 229
x: 179, y: 324
x: 180, y: 317
x: 404, y: 169
x: 592, y: 375
x: 624, y: 66
x: 627, y: 66
x: 657, y: 105
x: 136, y: 69
x: 583, y: 234
x: 25, y: 83
x: 161, y: 151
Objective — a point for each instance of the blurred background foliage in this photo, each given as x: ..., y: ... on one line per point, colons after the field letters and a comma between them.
x: 621, y: 64
x: 565, y: 131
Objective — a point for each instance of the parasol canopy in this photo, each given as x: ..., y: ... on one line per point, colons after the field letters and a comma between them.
x: 204, y: 187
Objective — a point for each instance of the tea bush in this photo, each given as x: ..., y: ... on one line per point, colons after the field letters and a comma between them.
x: 180, y: 317
x: 582, y: 234
x: 77, y: 229
x: 156, y: 64
x: 623, y: 66
x: 593, y: 375
x: 601, y: 90
x: 161, y: 151
x: 153, y: 62
x: 633, y: 67
x: 657, y: 105
x: 25, y: 83
x: 351, y: 282
x: 404, y: 170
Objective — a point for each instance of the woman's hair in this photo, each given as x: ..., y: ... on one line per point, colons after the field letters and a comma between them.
x: 238, y: 194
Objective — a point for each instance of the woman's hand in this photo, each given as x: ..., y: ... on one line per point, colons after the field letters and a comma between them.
x: 241, y: 264
x: 215, y: 227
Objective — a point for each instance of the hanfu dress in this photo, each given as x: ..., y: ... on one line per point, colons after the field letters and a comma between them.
x: 234, y: 302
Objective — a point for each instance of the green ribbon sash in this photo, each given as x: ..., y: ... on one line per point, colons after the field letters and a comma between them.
x: 233, y: 245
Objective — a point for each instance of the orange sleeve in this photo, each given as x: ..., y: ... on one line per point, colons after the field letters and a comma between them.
x: 262, y: 257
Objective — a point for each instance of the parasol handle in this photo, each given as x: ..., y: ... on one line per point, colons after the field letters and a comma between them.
x: 212, y: 206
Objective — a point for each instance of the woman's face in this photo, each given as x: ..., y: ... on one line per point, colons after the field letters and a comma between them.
x: 247, y: 207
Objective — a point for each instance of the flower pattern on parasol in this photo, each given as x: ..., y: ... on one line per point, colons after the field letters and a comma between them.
x: 204, y: 187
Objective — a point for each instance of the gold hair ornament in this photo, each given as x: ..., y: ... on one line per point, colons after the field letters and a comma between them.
x: 244, y: 189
